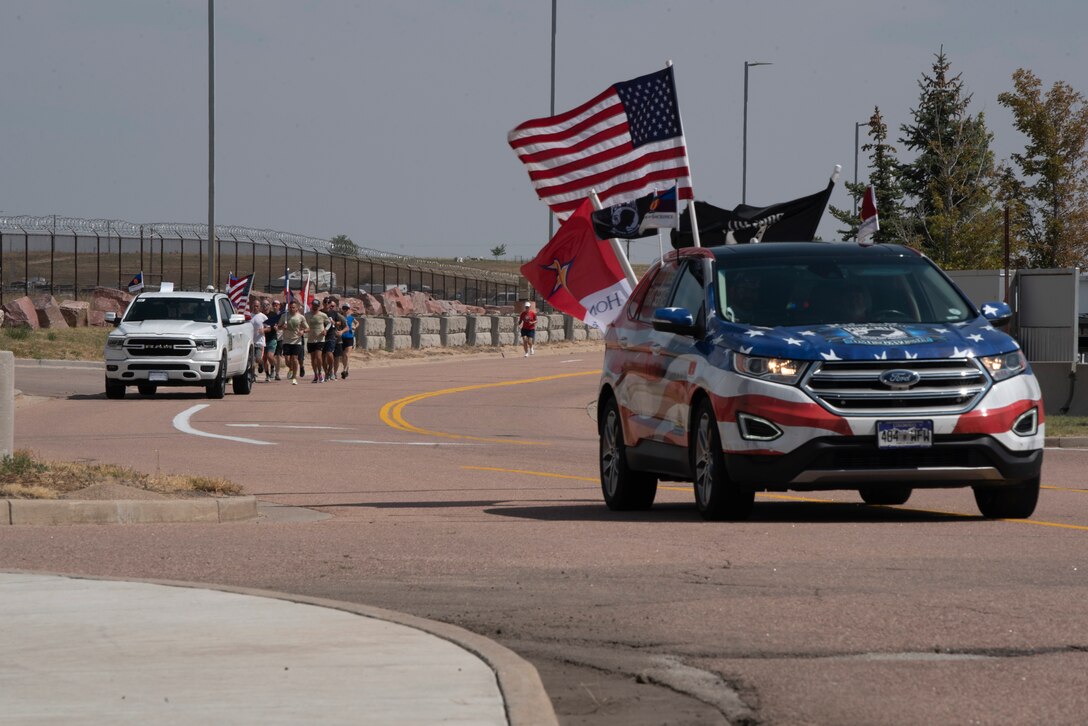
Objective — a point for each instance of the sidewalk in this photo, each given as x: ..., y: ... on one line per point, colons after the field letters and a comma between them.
x: 108, y: 651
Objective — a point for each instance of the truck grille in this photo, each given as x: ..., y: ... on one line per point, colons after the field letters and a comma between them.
x: 855, y: 387
x: 159, y: 347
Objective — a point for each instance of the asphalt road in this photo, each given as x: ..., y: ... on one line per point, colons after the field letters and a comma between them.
x: 465, y: 490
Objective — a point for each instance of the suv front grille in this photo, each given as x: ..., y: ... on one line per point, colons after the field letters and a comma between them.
x: 854, y: 387
x: 159, y: 346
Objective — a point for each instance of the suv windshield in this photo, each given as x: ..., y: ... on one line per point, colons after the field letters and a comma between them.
x: 173, y: 308
x: 830, y: 290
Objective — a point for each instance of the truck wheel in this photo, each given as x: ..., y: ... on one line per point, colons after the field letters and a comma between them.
x: 623, y: 487
x: 146, y: 389
x: 114, y: 389
x: 885, y: 495
x: 1008, y: 502
x: 218, y: 387
x: 716, y: 497
x: 243, y: 384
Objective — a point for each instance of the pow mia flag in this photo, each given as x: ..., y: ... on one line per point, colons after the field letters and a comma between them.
x: 792, y: 221
x: 638, y: 218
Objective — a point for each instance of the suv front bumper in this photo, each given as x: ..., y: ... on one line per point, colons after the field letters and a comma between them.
x: 171, y: 371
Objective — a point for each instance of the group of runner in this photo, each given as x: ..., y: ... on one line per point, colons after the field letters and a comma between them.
x: 326, y: 332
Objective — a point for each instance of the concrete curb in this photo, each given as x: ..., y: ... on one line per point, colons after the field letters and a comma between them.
x: 1066, y: 442
x: 525, y: 700
x: 131, y: 511
x: 45, y: 363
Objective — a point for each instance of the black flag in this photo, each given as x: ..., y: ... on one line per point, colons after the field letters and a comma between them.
x: 638, y: 218
x: 793, y: 221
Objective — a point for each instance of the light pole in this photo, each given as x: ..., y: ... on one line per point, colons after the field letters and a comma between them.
x: 211, y: 145
x: 744, y: 143
x: 857, y: 127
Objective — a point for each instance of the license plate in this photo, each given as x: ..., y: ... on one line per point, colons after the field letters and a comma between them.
x: 158, y: 376
x: 904, y: 434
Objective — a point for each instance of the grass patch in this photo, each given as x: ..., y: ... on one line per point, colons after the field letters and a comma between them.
x: 22, y: 476
x: 1067, y: 425
x: 55, y: 344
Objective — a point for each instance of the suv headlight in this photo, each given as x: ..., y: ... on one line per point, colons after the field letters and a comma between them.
x: 205, y: 343
x: 779, y: 370
x: 1005, y: 365
x: 115, y: 341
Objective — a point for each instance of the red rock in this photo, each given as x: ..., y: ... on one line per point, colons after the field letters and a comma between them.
x: 396, y: 303
x: 20, y: 313
x: 48, y: 312
x: 96, y: 318
x: 75, y: 312
x: 109, y: 300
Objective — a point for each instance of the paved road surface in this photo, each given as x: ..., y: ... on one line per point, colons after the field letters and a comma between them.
x: 465, y: 491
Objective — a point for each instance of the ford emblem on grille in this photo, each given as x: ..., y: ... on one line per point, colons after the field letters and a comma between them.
x: 899, y: 379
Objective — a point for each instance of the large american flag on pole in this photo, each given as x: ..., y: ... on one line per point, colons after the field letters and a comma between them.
x: 625, y: 143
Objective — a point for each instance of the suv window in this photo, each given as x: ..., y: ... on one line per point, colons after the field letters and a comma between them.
x: 689, y: 291
x: 658, y: 294
x: 225, y: 310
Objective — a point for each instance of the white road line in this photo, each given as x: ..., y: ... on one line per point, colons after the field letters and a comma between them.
x: 181, y: 423
x: 399, y: 443
x: 572, y: 360
x: 285, y: 426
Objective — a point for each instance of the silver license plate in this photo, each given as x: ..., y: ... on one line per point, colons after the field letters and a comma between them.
x: 154, y: 376
x: 904, y: 434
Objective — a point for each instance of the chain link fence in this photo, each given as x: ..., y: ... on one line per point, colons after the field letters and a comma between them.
x: 68, y: 257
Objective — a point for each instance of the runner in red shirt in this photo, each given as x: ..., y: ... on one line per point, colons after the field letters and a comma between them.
x: 527, y: 323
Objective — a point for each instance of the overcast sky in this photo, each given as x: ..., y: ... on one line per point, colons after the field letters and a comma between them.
x: 386, y: 120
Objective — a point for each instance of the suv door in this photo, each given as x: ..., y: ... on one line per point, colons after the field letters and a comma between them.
x: 236, y: 347
x: 673, y: 357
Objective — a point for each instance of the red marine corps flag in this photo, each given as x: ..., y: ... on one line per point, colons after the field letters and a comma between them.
x: 578, y: 274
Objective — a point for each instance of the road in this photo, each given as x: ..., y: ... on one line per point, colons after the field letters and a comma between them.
x: 464, y: 490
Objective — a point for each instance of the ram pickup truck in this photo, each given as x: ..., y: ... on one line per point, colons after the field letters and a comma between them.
x: 814, y: 366
x: 180, y: 339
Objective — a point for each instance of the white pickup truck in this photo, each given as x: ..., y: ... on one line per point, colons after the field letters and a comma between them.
x: 179, y: 339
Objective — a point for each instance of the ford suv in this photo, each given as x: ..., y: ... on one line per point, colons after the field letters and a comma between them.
x: 814, y: 366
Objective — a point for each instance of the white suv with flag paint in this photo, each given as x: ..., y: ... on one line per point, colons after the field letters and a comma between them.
x: 179, y: 339
x: 814, y: 366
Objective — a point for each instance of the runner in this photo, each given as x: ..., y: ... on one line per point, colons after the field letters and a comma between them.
x: 347, y: 338
x: 294, y: 331
x: 319, y: 325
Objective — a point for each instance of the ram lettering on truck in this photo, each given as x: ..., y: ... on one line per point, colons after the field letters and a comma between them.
x: 180, y: 339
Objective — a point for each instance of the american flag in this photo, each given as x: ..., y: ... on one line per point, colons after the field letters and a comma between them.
x: 625, y: 143
x: 238, y: 291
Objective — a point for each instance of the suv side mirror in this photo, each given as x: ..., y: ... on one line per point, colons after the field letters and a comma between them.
x: 998, y: 313
x: 112, y: 318
x: 674, y: 320
x: 236, y: 319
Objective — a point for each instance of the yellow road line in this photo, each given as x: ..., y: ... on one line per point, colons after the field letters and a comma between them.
x: 392, y: 413
x: 792, y: 498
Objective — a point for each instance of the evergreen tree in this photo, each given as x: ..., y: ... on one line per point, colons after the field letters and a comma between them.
x: 885, y: 183
x: 341, y: 244
x: 1049, y: 203
x: 951, y: 213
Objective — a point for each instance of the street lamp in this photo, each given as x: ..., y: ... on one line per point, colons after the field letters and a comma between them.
x: 857, y: 126
x: 744, y: 149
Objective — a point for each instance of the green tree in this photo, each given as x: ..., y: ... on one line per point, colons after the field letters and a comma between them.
x: 885, y: 182
x: 498, y: 251
x: 341, y: 244
x: 1049, y: 202
x: 950, y: 211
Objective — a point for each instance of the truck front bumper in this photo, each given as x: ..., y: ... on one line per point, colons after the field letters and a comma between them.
x: 163, y: 371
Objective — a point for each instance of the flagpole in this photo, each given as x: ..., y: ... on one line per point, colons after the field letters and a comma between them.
x: 691, y: 202
x: 628, y: 271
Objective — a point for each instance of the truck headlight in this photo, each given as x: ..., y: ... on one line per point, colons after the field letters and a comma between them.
x: 779, y: 370
x: 206, y: 343
x: 115, y: 342
x: 1005, y: 365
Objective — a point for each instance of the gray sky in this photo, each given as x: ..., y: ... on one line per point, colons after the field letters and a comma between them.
x: 386, y: 120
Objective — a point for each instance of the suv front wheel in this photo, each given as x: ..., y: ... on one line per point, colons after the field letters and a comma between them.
x: 716, y: 496
x: 623, y: 487
x: 1008, y: 502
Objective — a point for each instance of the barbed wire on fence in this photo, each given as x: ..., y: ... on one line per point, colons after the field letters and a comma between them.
x: 54, y: 224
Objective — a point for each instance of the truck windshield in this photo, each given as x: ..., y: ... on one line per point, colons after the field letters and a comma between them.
x: 174, y: 308
x: 835, y: 290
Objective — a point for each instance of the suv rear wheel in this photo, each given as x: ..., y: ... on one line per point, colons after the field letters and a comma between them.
x: 1008, y: 502
x: 623, y: 487
x: 715, y: 495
